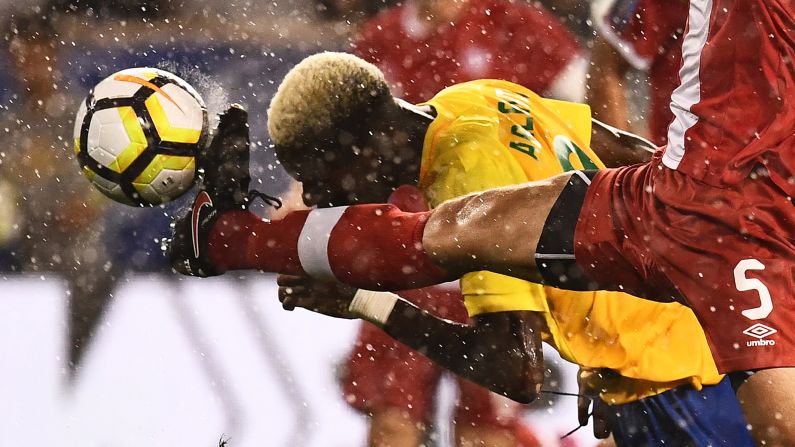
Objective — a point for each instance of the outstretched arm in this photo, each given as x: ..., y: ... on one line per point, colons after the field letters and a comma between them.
x: 605, y: 85
x: 501, y: 351
x: 605, y: 94
x: 616, y: 147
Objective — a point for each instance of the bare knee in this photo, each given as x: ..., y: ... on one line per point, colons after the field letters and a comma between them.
x: 768, y: 401
x: 496, y: 230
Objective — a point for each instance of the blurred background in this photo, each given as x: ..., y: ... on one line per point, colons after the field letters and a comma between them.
x: 102, y: 344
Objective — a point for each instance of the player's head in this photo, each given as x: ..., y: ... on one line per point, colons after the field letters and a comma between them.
x: 338, y: 130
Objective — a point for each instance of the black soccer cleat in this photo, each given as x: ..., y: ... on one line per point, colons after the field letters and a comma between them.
x: 224, y: 173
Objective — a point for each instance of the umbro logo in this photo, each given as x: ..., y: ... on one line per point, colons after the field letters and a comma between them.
x: 760, y: 332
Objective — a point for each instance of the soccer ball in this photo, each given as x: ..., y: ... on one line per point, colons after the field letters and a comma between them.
x: 137, y: 135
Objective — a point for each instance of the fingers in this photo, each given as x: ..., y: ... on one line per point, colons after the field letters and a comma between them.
x: 329, y: 298
x: 601, y: 415
x: 289, y: 280
x: 583, y: 405
x: 288, y: 302
x: 292, y: 289
x: 583, y: 402
x: 297, y: 291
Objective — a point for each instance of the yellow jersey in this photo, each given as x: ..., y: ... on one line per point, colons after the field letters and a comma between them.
x: 491, y: 133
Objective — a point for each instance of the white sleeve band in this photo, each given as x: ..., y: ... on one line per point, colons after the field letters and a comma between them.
x: 313, y: 242
x: 374, y: 307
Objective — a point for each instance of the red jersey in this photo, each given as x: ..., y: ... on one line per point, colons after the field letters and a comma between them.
x: 495, y: 39
x: 648, y: 34
x: 710, y: 219
x: 735, y: 106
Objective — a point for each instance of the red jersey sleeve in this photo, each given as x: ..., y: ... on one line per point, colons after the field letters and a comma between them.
x: 368, y: 44
x: 640, y: 30
x: 383, y: 42
x: 535, y: 47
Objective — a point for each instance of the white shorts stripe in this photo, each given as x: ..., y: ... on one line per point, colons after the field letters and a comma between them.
x: 554, y: 256
x: 689, y: 91
x: 584, y: 177
x: 313, y: 241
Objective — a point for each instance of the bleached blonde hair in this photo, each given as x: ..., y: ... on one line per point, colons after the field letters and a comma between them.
x: 319, y: 94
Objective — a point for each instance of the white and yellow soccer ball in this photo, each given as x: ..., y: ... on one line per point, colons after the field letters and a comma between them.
x: 137, y: 135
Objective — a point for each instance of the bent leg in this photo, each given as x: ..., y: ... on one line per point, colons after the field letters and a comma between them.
x: 379, y: 247
x: 496, y: 230
x: 768, y: 400
x: 393, y: 385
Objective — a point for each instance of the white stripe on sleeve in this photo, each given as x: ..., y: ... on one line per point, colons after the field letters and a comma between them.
x: 689, y: 91
x: 313, y: 241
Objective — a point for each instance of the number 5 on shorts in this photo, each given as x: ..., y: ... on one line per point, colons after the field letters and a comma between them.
x: 743, y: 283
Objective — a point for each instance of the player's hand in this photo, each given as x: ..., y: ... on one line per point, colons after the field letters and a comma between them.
x: 589, y: 381
x: 327, y: 298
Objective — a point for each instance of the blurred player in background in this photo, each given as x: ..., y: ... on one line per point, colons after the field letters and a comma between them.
x: 709, y: 221
x: 63, y: 215
x: 643, y: 35
x: 456, y: 143
x: 423, y: 46
x: 353, y: 12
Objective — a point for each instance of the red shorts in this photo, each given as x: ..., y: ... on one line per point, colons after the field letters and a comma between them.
x: 383, y: 373
x: 729, y: 253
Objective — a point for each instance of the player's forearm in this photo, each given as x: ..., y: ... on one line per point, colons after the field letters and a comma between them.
x: 616, y: 147
x: 605, y: 91
x: 503, y: 355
